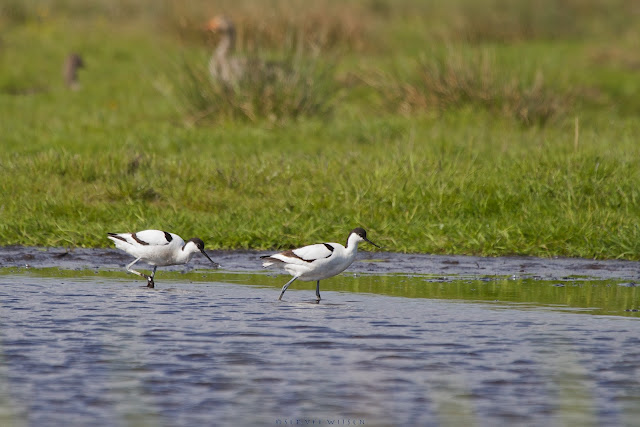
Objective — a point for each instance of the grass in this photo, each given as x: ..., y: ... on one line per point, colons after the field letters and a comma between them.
x: 451, y: 80
x: 472, y: 144
x: 290, y: 88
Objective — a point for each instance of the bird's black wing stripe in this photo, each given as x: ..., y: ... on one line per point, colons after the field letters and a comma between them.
x: 291, y: 254
x: 168, y: 236
x: 134, y: 237
x: 328, y: 246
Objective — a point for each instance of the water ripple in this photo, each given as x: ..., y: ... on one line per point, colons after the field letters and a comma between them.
x: 78, y: 352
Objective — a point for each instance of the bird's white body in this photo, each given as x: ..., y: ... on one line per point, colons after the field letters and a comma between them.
x: 157, y: 248
x: 317, y: 262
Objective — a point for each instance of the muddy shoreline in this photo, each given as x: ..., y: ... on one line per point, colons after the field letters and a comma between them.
x: 367, y: 262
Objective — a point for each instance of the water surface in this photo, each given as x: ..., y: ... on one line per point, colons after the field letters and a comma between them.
x: 207, y: 348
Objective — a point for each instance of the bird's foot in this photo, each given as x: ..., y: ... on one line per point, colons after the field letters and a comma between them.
x: 150, y: 283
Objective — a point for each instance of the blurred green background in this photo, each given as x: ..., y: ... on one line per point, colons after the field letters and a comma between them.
x: 486, y: 127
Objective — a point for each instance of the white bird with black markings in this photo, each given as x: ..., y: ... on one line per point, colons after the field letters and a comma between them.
x: 157, y: 248
x: 317, y: 262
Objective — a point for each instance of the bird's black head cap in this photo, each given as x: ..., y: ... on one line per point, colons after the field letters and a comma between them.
x: 199, y: 243
x: 363, y: 234
x: 360, y: 232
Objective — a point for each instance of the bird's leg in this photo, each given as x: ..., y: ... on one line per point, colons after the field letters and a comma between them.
x: 318, y: 291
x: 149, y: 278
x: 284, y: 288
x: 150, y: 283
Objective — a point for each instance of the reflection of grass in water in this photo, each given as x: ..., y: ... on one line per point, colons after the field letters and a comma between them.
x: 592, y: 296
x: 596, y: 296
x: 575, y: 403
x: 452, y: 400
x: 11, y: 414
x: 572, y: 393
x: 133, y: 404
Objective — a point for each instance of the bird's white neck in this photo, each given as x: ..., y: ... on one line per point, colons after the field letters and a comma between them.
x: 226, y: 45
x: 352, y: 246
x: 184, y: 255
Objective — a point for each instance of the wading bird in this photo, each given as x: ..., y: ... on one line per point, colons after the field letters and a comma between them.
x: 317, y: 262
x: 157, y: 248
x: 223, y: 66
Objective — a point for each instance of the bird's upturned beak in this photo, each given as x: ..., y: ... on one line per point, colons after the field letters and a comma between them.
x: 369, y: 241
x: 212, y: 261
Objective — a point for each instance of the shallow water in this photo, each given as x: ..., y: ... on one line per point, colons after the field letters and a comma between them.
x: 367, y: 262
x: 217, y: 349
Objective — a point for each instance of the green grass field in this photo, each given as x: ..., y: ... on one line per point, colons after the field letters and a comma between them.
x: 487, y: 127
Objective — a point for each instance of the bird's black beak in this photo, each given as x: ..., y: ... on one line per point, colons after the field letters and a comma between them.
x: 369, y: 241
x: 212, y: 261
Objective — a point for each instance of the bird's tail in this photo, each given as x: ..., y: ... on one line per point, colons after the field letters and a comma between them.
x: 115, y: 236
x: 268, y: 261
x: 120, y: 242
